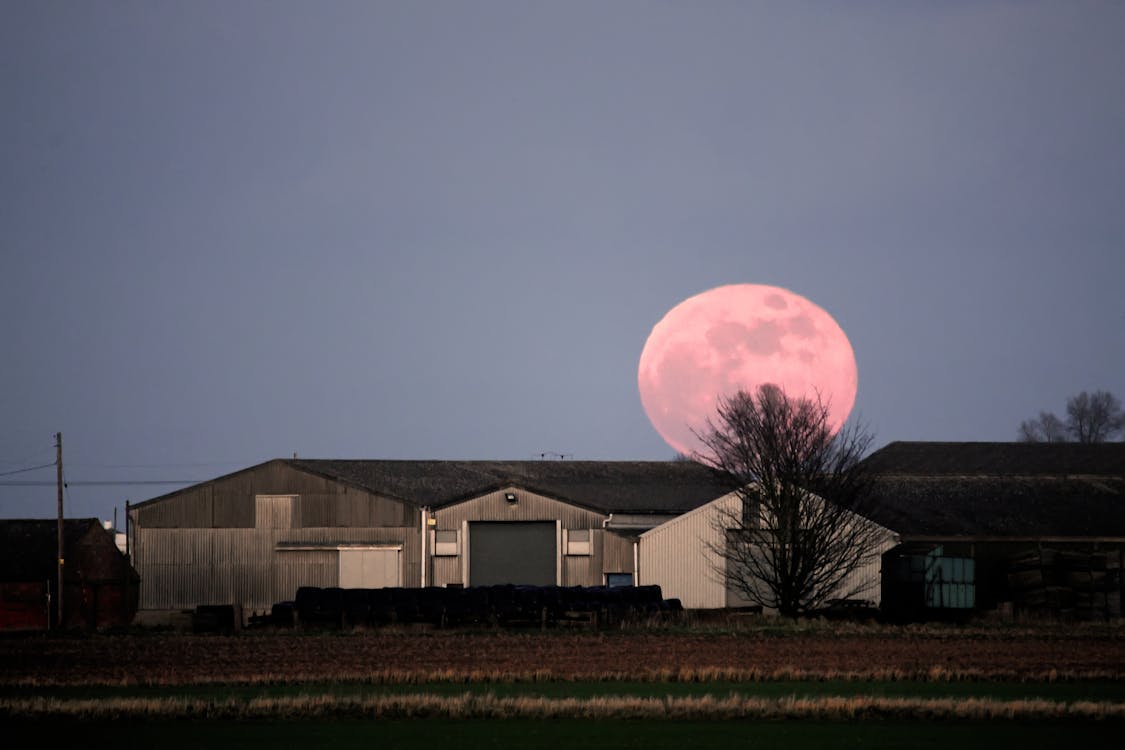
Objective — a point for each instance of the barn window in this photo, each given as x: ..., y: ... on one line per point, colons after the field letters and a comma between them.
x: 445, y: 544
x: 578, y: 542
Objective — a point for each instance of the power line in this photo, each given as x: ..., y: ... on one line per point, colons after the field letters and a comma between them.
x: 160, y: 466
x: 29, y: 468
x: 104, y: 483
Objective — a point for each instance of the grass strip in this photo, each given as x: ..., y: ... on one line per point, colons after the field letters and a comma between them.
x: 688, y: 675
x: 1056, y: 691
x: 490, y: 706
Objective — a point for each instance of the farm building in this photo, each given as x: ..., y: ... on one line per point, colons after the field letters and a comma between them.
x: 254, y: 537
x: 1020, y: 526
x: 680, y: 556
x: 100, y: 586
x: 963, y: 526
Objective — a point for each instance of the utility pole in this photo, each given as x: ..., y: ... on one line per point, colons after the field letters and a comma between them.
x: 58, y: 471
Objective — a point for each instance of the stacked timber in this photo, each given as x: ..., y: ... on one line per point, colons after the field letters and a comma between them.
x: 1082, y: 584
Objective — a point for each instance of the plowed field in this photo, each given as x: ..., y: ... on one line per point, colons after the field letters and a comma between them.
x: 185, y: 659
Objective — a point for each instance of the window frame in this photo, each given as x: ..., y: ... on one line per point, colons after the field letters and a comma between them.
x: 581, y: 547
x: 446, y: 548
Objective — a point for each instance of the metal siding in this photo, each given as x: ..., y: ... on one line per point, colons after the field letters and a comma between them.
x: 351, y: 510
x: 317, y: 509
x: 184, y: 560
x: 585, y: 570
x: 576, y: 571
x: 594, y: 561
x: 162, y: 547
x: 182, y: 568
x: 234, y: 499
x: 531, y: 507
x: 579, y: 571
x: 861, y: 583
x: 398, y: 535
x: 191, y: 508
x: 617, y: 553
x: 293, y: 569
x: 407, y: 536
x: 200, y: 546
x: 229, y: 502
x: 869, y: 576
x: 675, y: 557
x: 276, y: 511
x: 446, y: 570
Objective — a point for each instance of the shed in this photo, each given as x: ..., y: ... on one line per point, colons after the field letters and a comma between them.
x: 100, y: 586
x: 1017, y: 510
x: 680, y: 557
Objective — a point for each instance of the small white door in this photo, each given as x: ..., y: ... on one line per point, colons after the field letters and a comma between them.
x: 370, y: 568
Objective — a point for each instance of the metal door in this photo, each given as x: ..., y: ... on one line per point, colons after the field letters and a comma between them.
x: 370, y: 568
x: 518, y: 552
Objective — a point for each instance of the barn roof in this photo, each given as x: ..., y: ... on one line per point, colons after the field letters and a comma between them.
x: 29, y: 547
x: 997, y: 459
x: 1000, y: 489
x: 606, y: 486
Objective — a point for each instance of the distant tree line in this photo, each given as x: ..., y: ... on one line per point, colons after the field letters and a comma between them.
x: 1090, y: 418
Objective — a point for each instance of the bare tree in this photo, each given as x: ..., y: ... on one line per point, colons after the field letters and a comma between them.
x: 1046, y: 428
x: 794, y: 538
x: 1094, y: 418
x: 1090, y: 418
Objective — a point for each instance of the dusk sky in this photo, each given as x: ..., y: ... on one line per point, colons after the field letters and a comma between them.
x: 235, y: 231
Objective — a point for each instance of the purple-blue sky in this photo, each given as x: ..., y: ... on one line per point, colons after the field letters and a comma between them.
x: 232, y: 231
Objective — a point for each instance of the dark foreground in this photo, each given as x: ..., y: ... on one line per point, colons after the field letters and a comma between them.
x: 618, y: 734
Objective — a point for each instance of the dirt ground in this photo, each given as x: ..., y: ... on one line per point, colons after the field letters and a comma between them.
x: 407, y: 656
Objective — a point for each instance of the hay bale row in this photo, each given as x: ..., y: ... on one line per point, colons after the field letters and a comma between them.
x: 495, y: 605
x: 1082, y: 584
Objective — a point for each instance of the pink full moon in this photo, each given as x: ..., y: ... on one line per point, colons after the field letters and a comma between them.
x: 740, y: 337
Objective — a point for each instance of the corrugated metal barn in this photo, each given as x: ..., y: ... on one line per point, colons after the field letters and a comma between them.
x: 1037, y: 527
x: 680, y: 557
x: 960, y: 510
x: 254, y: 537
x: 1031, y: 527
x: 100, y: 587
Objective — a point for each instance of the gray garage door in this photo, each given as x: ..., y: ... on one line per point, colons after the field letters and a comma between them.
x: 521, y: 553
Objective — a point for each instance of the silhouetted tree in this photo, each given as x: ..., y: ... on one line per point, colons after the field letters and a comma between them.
x: 1046, y: 428
x: 1094, y: 418
x: 794, y: 538
x: 1090, y: 418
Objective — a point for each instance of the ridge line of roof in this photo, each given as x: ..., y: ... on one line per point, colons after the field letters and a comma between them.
x: 993, y: 475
